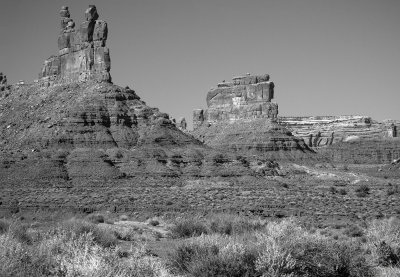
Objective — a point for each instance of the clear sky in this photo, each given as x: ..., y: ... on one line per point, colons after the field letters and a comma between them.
x: 326, y: 57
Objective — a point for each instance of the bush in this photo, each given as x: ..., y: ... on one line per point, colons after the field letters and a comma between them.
x: 383, y: 241
x: 333, y: 190
x: 188, y: 227
x: 392, y: 189
x: 214, y: 255
x: 233, y: 224
x: 342, y: 192
x: 154, y: 222
x: 101, y: 235
x: 362, y: 191
x: 354, y: 231
x: 62, y: 252
x: 95, y: 218
x: 288, y: 250
x: 4, y: 225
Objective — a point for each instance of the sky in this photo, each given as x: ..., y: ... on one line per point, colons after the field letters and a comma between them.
x: 326, y: 57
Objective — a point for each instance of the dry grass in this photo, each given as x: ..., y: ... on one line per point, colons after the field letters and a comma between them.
x: 73, y: 248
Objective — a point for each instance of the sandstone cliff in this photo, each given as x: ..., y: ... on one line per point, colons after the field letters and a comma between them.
x: 242, y: 118
x: 318, y: 131
x: 348, y: 139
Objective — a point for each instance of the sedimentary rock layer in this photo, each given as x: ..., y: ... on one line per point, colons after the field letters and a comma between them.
x: 319, y: 131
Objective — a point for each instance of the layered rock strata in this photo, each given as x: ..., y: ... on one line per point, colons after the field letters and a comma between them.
x: 83, y: 54
x: 320, y: 131
x: 246, y: 97
x: 241, y: 117
x: 348, y: 139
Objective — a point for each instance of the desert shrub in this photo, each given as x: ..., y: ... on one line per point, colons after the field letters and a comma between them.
x: 65, y: 253
x: 383, y: 240
x: 14, y: 258
x: 101, y: 235
x: 333, y: 190
x: 4, y: 225
x: 392, y: 189
x: 17, y: 230
x: 342, y: 191
x: 128, y: 233
x: 123, y: 217
x: 229, y: 224
x: 288, y: 250
x: 95, y: 218
x: 362, y: 191
x: 214, y: 255
x: 354, y: 231
x: 388, y: 271
x: 188, y: 227
x: 154, y: 222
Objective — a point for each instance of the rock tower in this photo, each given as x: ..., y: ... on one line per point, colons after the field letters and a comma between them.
x: 241, y: 117
x: 245, y: 98
x: 82, y: 54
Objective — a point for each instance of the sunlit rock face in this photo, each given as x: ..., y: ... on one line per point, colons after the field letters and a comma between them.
x: 348, y: 139
x: 241, y: 117
x: 246, y: 97
x: 83, y: 54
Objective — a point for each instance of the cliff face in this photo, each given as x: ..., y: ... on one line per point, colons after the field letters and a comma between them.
x: 246, y: 97
x: 348, y: 139
x: 319, y: 131
x: 241, y: 117
x: 83, y: 54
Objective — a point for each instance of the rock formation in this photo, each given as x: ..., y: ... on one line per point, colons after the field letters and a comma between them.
x: 349, y: 139
x: 3, y: 81
x: 241, y: 117
x: 181, y: 124
x: 83, y: 54
x: 246, y: 97
x: 320, y: 131
x: 74, y: 143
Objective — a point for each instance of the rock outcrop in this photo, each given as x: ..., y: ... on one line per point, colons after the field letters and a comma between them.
x: 241, y: 117
x: 182, y: 124
x: 83, y: 54
x: 246, y: 97
x: 320, y: 131
x: 348, y: 139
x: 3, y: 81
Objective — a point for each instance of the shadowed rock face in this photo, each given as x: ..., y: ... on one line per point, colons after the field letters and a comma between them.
x: 83, y: 54
x: 242, y: 118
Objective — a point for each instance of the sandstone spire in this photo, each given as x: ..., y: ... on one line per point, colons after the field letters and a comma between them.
x: 83, y: 54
